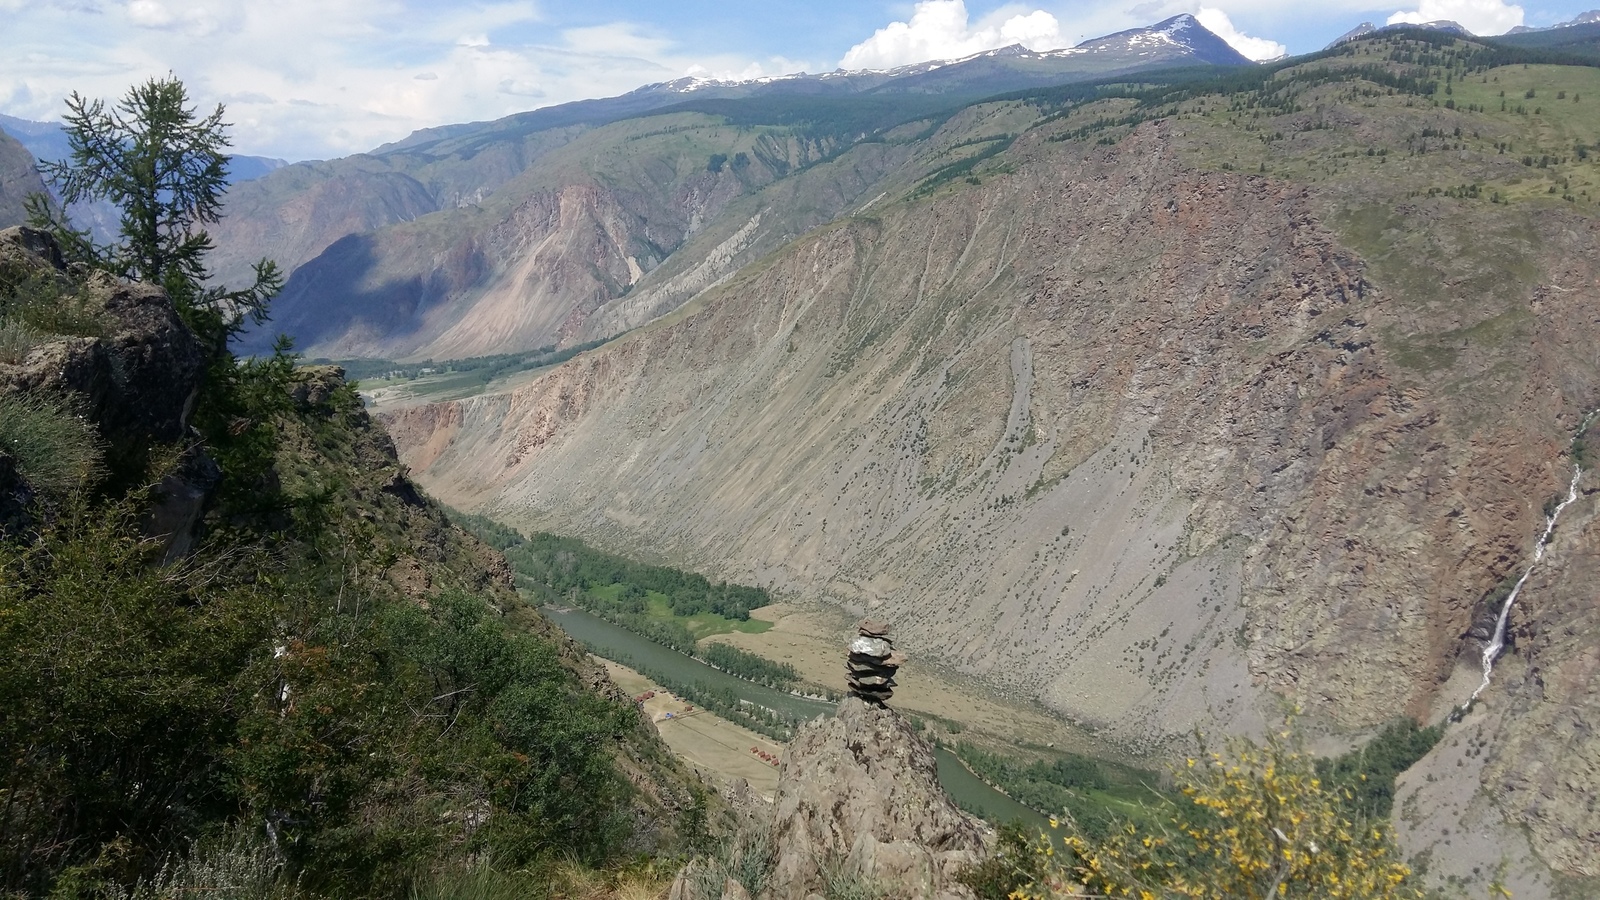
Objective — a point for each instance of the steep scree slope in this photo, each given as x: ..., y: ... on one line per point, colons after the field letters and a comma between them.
x: 578, y: 228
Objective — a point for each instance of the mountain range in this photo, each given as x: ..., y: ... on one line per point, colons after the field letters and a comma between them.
x: 1591, y: 17
x: 1169, y: 402
x: 1172, y: 406
x: 391, y: 250
x: 1561, y: 36
x: 48, y: 141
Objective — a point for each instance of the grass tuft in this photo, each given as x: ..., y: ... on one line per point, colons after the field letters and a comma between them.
x: 56, y: 451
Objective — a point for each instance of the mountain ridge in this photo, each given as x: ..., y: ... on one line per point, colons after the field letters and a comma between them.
x: 18, y: 179
x: 411, y: 186
x: 47, y: 141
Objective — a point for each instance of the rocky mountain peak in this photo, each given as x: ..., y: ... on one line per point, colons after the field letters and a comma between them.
x: 1181, y: 33
x: 1366, y: 29
x: 1587, y: 18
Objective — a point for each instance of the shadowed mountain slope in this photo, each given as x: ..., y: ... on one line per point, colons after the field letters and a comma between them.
x: 503, y: 236
x: 18, y: 179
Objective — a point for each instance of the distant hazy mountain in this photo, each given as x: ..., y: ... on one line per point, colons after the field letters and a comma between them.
x: 422, y: 223
x: 1579, y: 37
x: 1592, y: 17
x: 47, y: 141
x: 18, y: 179
x: 1589, y: 18
x: 1180, y: 40
x: 1367, y: 28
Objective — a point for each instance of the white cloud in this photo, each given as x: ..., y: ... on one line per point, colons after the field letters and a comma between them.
x: 149, y: 14
x: 941, y: 29
x: 1217, y: 22
x: 1477, y: 16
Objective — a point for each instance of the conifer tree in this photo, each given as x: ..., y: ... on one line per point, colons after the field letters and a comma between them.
x: 164, y: 167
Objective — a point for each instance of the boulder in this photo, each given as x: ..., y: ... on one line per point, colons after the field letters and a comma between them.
x: 859, y: 798
x: 138, y: 381
x: 179, y: 503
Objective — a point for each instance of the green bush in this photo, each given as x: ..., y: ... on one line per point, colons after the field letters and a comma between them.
x: 1012, y: 866
x: 1368, y: 772
x: 141, y: 707
x: 119, y: 693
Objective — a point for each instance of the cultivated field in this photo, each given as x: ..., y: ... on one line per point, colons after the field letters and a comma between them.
x: 703, y: 739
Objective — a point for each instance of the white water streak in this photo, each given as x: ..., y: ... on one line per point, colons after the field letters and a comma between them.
x: 1498, y: 643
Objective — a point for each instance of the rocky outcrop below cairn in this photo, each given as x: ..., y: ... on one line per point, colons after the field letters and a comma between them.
x: 859, y: 801
x: 872, y: 663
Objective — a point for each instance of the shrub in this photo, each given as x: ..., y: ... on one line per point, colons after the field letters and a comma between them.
x: 1259, y: 823
x: 117, y: 695
x: 240, y: 867
x: 1013, y: 866
x: 1368, y: 773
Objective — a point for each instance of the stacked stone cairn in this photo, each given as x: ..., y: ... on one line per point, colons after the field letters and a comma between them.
x: 872, y: 663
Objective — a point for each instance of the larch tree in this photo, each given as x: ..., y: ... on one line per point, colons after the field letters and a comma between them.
x: 164, y: 166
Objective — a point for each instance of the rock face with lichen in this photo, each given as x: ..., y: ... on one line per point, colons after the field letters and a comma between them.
x: 137, y: 380
x: 859, y: 801
x: 134, y: 376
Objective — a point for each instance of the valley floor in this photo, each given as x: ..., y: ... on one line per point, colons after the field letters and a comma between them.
x: 812, y: 638
x: 701, y: 737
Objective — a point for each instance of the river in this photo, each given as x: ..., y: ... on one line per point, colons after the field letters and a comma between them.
x: 614, y: 642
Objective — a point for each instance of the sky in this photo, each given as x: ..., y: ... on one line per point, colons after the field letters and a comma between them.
x: 314, y: 79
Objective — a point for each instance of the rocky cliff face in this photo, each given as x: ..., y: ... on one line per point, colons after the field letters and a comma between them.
x: 526, y: 263
x: 134, y: 380
x: 1158, y: 442
x: 896, y: 400
x: 18, y: 179
x: 858, y: 811
x: 292, y: 214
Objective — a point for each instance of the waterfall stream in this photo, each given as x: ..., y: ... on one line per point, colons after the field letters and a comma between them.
x: 1498, y: 642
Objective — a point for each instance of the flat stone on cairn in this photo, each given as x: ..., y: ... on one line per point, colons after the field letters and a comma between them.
x: 870, y: 667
